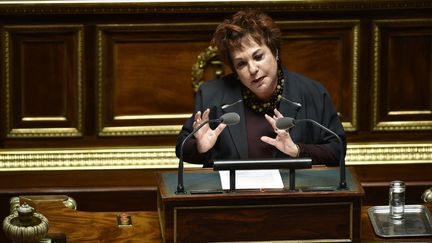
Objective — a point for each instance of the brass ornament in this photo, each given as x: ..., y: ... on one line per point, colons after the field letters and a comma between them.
x: 201, y: 64
x: 25, y: 225
x: 427, y: 196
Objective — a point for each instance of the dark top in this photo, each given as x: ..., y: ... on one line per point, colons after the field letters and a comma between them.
x: 241, y: 141
x: 258, y: 126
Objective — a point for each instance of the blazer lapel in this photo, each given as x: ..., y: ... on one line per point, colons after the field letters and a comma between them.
x: 237, y: 132
x: 288, y: 109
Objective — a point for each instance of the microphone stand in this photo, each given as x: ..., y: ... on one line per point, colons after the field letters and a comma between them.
x: 230, y: 118
x: 342, y: 181
x: 180, y: 185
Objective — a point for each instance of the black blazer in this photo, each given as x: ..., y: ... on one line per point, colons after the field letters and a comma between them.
x: 316, y: 104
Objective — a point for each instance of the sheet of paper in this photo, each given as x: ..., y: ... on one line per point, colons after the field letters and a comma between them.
x: 252, y: 179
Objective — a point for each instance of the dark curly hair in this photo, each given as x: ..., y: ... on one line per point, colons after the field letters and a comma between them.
x: 259, y: 26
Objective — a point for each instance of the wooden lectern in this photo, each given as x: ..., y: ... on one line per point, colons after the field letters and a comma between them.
x: 314, y: 212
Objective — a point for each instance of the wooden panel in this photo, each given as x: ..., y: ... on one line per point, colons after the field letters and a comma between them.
x: 136, y: 68
x: 375, y: 180
x: 145, y: 77
x: 43, y: 81
x: 275, y: 222
x: 328, y: 53
x: 403, y: 75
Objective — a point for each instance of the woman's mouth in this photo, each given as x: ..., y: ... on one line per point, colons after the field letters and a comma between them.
x: 255, y: 81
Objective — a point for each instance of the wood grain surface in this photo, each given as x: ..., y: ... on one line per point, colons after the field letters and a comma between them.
x: 81, y: 226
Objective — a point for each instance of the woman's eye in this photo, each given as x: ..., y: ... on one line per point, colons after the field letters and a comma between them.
x: 240, y: 64
x: 259, y: 57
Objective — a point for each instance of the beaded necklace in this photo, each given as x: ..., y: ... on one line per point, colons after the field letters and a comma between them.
x: 260, y: 107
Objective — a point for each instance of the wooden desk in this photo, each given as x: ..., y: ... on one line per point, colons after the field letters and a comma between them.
x: 261, y: 215
x: 81, y: 226
x: 102, y: 226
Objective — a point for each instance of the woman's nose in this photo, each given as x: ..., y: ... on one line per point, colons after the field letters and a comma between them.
x: 253, y: 69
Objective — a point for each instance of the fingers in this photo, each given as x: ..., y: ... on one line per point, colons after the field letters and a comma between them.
x: 277, y: 113
x: 219, y: 129
x: 268, y: 140
x: 197, y: 115
x: 271, y: 121
x: 205, y: 115
x: 199, y: 118
x: 282, y: 133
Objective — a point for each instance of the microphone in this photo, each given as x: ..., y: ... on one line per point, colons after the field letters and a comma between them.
x: 285, y: 123
x: 297, y: 104
x: 230, y: 118
x: 232, y: 104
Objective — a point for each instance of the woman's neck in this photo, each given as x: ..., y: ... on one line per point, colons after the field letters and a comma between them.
x: 267, y: 96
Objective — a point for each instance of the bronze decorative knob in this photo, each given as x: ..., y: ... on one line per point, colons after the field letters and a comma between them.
x: 25, y: 225
x: 427, y: 195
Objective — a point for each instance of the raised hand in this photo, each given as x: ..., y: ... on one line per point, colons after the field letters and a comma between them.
x: 283, y: 140
x: 205, y: 137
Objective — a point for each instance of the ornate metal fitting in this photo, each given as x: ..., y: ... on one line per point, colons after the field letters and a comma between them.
x: 208, y: 56
x: 427, y: 195
x: 24, y: 225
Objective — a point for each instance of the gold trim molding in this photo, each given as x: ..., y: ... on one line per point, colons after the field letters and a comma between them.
x: 389, y: 153
x: 352, y: 126
x: 140, y: 131
x: 164, y: 157
x: 71, y: 7
x: 87, y: 158
x: 43, y: 132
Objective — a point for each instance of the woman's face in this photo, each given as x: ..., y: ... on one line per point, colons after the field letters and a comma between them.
x: 256, y: 68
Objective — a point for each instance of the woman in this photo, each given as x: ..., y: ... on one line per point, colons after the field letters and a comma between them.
x: 260, y: 90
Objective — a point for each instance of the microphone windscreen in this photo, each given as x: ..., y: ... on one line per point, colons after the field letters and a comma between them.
x: 285, y: 123
x: 230, y: 118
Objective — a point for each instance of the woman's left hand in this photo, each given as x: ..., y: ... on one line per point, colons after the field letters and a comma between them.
x: 283, y: 140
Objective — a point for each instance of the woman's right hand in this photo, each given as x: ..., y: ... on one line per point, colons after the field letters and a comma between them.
x: 205, y: 137
x: 283, y: 140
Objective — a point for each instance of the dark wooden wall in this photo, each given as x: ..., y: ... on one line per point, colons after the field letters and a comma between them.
x: 94, y: 94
